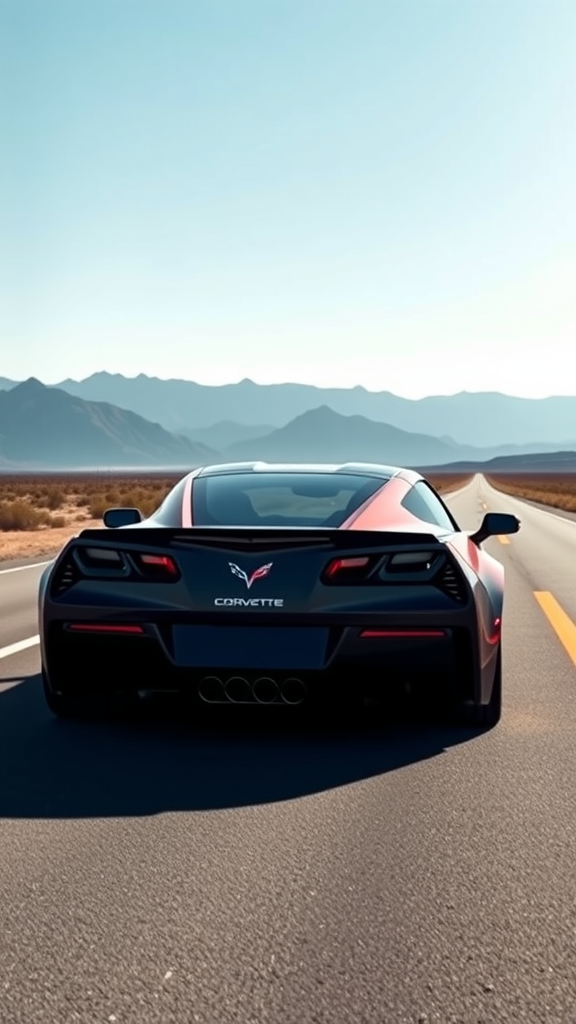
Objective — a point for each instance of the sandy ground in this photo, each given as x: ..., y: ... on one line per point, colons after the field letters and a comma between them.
x: 39, y: 543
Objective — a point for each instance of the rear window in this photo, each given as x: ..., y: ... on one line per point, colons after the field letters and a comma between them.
x: 279, y: 499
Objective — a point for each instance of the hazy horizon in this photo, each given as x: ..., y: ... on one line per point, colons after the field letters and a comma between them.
x: 339, y: 194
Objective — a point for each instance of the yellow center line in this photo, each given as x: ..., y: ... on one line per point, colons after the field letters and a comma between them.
x: 559, y: 620
x: 503, y: 538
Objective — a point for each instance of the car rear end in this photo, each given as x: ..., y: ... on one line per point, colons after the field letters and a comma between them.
x: 283, y: 617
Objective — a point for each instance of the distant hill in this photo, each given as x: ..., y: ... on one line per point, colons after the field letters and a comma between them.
x: 323, y: 435
x: 46, y: 427
x: 226, y: 433
x: 483, y: 420
x: 544, y: 462
x: 6, y: 384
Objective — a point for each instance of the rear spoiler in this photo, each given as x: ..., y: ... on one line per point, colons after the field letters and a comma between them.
x: 255, y: 538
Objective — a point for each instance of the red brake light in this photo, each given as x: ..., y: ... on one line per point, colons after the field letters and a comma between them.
x: 401, y: 632
x: 92, y: 627
x: 160, y: 563
x: 339, y: 564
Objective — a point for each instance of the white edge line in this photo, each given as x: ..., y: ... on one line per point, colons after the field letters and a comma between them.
x: 20, y: 568
x: 20, y: 645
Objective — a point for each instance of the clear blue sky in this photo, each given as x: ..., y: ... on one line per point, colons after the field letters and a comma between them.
x: 377, y: 193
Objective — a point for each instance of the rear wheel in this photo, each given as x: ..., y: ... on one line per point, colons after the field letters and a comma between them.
x: 486, y: 716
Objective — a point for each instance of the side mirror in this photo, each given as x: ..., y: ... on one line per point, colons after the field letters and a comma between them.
x: 495, y: 524
x: 115, y: 517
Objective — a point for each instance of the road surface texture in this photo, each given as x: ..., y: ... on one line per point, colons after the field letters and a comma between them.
x: 150, y: 873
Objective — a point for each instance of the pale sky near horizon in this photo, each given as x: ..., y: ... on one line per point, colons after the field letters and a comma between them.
x: 337, y: 193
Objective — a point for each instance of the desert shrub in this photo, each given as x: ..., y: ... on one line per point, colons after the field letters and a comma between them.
x: 146, y: 498
x: 21, y: 515
x: 57, y: 521
x: 149, y: 505
x: 55, y: 497
x: 97, y: 506
x: 33, y: 495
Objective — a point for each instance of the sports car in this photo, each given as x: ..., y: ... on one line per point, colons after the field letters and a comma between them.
x: 321, y: 586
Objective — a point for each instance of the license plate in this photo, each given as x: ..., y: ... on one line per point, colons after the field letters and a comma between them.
x: 250, y: 647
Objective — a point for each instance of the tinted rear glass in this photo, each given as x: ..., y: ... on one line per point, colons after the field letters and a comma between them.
x: 279, y: 499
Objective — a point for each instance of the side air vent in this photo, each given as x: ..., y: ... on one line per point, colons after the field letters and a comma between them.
x: 450, y: 583
x: 66, y: 576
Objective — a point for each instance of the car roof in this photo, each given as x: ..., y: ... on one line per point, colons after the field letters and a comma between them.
x: 366, y: 469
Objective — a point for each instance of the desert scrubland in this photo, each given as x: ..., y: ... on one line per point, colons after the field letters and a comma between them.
x: 555, y: 489
x: 38, y: 513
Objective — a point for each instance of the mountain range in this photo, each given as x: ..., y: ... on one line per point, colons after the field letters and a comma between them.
x: 44, y: 427
x: 322, y: 435
x: 219, y: 415
x: 47, y: 427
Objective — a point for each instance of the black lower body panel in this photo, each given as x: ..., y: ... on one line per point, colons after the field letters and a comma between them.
x: 281, y: 667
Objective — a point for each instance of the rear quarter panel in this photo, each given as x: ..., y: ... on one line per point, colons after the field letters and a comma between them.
x: 486, y: 577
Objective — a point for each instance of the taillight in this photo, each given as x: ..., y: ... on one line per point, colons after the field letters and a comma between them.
x: 101, y: 558
x: 110, y: 563
x: 157, y: 566
x: 374, y: 633
x: 346, y: 570
x: 411, y: 561
x: 97, y: 627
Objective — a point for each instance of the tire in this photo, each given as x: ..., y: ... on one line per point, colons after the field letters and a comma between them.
x: 486, y: 716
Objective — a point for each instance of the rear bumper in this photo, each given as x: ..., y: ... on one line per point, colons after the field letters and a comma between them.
x: 348, y: 659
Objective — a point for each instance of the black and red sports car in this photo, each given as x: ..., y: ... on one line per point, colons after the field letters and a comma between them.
x: 280, y: 585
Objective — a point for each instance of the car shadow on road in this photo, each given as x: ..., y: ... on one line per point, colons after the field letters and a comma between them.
x: 152, y: 764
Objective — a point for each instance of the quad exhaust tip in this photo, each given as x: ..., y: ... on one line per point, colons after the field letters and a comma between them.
x: 211, y: 690
x: 237, y: 690
x: 293, y: 691
x: 266, y: 690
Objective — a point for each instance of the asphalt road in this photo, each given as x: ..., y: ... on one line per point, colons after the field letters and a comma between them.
x: 419, y: 874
